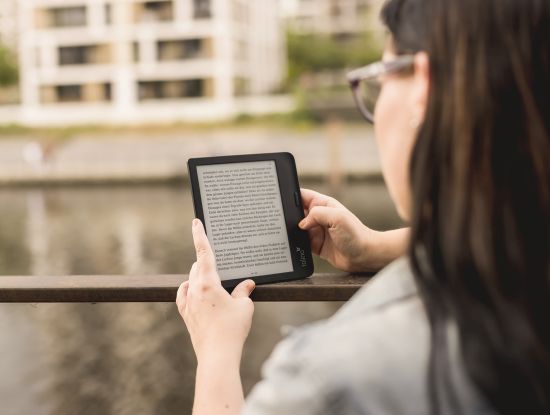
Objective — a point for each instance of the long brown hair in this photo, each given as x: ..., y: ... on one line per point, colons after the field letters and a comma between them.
x: 480, y: 179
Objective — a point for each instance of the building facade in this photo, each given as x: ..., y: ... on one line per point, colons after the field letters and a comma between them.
x: 337, y: 18
x: 8, y: 26
x: 129, y: 61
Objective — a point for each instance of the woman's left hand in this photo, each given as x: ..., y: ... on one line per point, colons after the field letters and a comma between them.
x: 217, y: 321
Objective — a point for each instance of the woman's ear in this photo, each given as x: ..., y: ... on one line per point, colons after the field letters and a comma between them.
x: 421, y: 88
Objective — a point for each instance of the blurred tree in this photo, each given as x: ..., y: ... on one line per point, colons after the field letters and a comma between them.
x: 9, y: 73
x: 313, y: 53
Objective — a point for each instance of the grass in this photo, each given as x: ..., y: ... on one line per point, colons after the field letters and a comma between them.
x: 296, y: 120
x: 302, y: 119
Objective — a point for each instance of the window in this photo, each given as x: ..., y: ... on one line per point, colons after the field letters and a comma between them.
x: 194, y: 88
x: 69, y: 93
x: 190, y: 88
x: 108, y: 14
x: 135, y: 51
x: 84, y: 55
x: 201, y: 9
x: 155, y: 11
x: 179, y: 49
x: 92, y: 92
x: 68, y: 16
x: 107, y: 92
x: 74, y: 55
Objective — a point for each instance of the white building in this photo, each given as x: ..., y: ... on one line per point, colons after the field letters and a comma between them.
x: 134, y: 61
x: 8, y: 26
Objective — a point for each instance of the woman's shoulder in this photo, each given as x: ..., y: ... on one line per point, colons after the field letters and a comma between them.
x: 384, y: 321
x: 390, y: 288
x: 376, y: 347
x: 364, y: 355
x: 372, y: 356
x: 383, y: 326
x: 390, y: 293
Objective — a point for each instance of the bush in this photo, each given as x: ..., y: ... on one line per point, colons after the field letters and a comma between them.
x: 317, y: 53
x: 9, y: 73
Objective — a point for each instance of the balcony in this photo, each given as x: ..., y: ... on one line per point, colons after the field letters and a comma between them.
x: 61, y: 17
x: 178, y: 50
x: 154, y: 11
x: 174, y: 89
x: 76, y: 93
x: 201, y: 9
x: 84, y: 55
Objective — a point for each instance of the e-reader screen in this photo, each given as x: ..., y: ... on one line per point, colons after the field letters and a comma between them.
x: 244, y: 218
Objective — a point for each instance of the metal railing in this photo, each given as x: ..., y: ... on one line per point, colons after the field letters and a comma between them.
x: 162, y: 288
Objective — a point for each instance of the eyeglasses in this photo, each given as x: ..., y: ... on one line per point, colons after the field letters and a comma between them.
x: 365, y: 82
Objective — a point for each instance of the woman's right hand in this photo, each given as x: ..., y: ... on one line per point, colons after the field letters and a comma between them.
x: 340, y: 238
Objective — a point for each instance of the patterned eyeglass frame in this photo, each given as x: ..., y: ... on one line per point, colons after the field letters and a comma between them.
x: 374, y: 70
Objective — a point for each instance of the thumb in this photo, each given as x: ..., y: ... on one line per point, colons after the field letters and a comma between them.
x: 244, y: 289
x: 318, y: 216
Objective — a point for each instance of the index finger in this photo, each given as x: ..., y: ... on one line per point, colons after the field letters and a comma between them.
x: 312, y: 198
x: 205, y: 257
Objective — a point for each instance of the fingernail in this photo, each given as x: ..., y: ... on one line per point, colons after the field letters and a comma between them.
x: 196, y: 222
x: 302, y: 223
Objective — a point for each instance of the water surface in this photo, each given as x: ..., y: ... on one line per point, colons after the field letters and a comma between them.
x: 122, y: 358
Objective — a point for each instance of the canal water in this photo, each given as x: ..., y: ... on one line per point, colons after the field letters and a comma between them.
x: 122, y: 358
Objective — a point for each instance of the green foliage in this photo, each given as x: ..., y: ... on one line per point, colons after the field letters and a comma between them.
x: 316, y: 53
x: 9, y: 74
x: 300, y: 118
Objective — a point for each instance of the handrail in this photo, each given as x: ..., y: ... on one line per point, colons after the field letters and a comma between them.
x: 162, y: 288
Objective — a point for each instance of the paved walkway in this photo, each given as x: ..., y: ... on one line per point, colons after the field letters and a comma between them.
x: 140, y: 157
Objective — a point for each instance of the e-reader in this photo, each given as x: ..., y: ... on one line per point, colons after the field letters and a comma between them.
x: 250, y: 206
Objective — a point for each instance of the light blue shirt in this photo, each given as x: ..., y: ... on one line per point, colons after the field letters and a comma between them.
x: 371, y: 357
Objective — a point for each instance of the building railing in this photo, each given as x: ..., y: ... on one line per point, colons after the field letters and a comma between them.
x: 163, y: 288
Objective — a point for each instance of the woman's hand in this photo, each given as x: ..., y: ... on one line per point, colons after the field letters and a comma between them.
x: 339, y: 237
x: 217, y: 322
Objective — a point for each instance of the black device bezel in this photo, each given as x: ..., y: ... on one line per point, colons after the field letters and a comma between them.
x: 285, y: 165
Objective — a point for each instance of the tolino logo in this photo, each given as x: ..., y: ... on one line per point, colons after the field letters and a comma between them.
x: 301, y: 256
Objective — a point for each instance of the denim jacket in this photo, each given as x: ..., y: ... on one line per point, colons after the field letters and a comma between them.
x: 371, y: 357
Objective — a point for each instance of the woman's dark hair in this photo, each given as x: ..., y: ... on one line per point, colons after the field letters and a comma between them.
x: 480, y: 180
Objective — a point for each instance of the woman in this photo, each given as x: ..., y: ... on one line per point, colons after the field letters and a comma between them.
x: 460, y: 323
